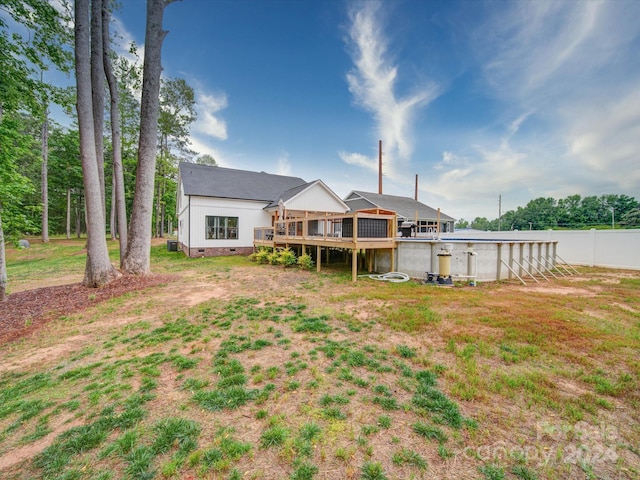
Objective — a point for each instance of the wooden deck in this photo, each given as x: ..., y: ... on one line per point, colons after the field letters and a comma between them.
x: 363, y: 230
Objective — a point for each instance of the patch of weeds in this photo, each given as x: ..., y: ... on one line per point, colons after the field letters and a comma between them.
x: 234, y: 380
x: 148, y: 384
x: 80, y: 372
x: 170, y: 431
x: 312, y: 325
x: 227, y: 368
x: 334, y: 413
x: 232, y: 448
x: 434, y: 401
x: 139, y: 462
x: 274, y: 436
x: 304, y: 471
x: 345, y: 454
x: 261, y: 414
x: 260, y: 344
x: 523, y: 472
x: 407, y: 456
x: 604, y: 386
x: 293, y: 385
x: 83, y: 353
x: 430, y: 432
x: 384, y: 421
x: 492, y: 471
x: 382, y: 390
x: 53, y: 459
x: 41, y: 430
x: 272, y: 372
x: 294, y: 367
x: 444, y: 452
x: 194, y: 384
x: 346, y: 375
x: 184, y: 363
x: 122, y: 445
x: 25, y: 409
x: 369, y: 429
x: 405, y: 351
x: 228, y: 398
x: 372, y: 471
x: 387, y: 403
x: 310, y: 431
x: 409, y: 318
x: 327, y: 400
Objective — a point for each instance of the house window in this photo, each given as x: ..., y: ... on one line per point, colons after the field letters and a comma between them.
x: 221, y: 228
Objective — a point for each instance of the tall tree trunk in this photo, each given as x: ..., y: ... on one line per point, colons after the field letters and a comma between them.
x: 3, y: 264
x: 97, y: 93
x: 3, y: 261
x: 68, y: 213
x: 139, y: 247
x: 112, y: 216
x: 159, y: 183
x: 78, y: 218
x: 45, y: 176
x: 116, y: 126
x: 98, y: 270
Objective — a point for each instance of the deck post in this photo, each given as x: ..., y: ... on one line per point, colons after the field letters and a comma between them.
x: 318, y: 257
x: 354, y: 264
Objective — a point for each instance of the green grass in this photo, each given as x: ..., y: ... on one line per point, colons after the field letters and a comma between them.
x: 372, y: 379
x: 274, y: 436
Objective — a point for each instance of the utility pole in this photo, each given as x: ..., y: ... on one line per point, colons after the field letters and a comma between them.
x: 613, y: 224
x: 380, y: 167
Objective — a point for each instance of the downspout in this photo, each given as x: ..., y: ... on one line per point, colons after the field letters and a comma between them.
x: 189, y: 217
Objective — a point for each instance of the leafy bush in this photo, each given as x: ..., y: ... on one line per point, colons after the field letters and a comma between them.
x: 286, y: 257
x: 273, y: 258
x: 261, y: 256
x: 305, y: 261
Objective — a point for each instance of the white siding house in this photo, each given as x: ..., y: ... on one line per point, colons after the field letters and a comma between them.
x: 218, y: 208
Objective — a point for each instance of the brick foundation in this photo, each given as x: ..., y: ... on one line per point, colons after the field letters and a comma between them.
x: 215, y: 251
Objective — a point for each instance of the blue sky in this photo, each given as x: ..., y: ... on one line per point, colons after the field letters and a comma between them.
x: 478, y: 98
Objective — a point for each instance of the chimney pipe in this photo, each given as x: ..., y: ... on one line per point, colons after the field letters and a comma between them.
x: 380, y: 167
x: 416, y: 195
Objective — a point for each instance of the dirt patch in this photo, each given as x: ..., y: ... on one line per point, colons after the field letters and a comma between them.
x: 25, y: 312
x: 19, y: 455
x: 558, y: 290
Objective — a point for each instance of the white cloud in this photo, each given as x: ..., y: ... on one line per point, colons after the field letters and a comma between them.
x: 209, y: 121
x: 284, y: 166
x: 604, y: 140
x: 359, y: 160
x: 564, y: 68
x: 122, y: 41
x: 372, y: 83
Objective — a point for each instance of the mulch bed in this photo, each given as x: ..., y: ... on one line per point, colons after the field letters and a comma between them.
x: 25, y: 312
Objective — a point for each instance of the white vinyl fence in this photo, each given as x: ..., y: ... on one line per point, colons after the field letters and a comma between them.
x: 600, y: 248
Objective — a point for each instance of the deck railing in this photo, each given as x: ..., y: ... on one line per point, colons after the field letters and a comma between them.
x: 351, y: 227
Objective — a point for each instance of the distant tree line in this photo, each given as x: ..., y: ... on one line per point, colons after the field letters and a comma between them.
x: 572, y: 212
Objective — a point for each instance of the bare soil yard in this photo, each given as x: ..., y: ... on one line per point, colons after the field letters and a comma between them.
x: 221, y: 368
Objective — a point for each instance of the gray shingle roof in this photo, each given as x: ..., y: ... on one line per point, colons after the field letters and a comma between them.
x: 287, y: 194
x: 404, y: 206
x: 207, y: 181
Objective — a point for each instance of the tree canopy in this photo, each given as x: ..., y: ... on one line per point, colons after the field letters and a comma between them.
x: 572, y: 212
